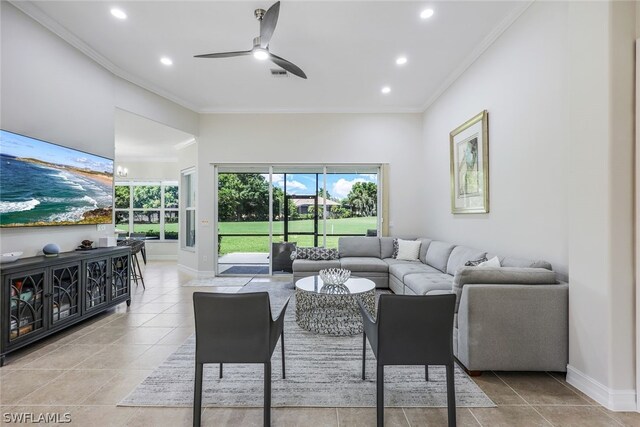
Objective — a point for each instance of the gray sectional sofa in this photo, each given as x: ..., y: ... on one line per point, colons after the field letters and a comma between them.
x: 512, y: 318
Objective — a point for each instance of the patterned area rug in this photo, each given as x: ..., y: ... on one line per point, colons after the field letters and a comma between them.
x: 322, y: 371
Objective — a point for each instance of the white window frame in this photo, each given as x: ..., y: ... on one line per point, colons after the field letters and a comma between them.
x: 185, y: 208
x: 162, y: 209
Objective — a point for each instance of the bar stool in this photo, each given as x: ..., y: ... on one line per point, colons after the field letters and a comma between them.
x: 137, y: 246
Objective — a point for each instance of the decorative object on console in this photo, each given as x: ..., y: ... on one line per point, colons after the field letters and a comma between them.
x: 86, y: 244
x: 107, y: 242
x: 10, y: 257
x: 334, y: 276
x: 469, y: 162
x: 408, y: 250
x: 51, y: 250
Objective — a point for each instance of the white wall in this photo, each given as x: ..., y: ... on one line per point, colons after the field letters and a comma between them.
x: 558, y: 85
x: 314, y: 138
x: 52, y: 92
x: 518, y: 80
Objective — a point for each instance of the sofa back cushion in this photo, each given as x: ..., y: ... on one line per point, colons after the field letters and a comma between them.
x: 359, y: 247
x: 423, y: 248
x: 315, y: 253
x: 386, y: 247
x: 460, y: 255
x: 521, y: 262
x: 438, y: 254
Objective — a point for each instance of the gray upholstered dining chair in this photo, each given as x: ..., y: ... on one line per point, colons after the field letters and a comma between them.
x: 236, y: 328
x: 411, y: 330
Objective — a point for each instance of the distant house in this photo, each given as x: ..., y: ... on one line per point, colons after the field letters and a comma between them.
x: 302, y: 205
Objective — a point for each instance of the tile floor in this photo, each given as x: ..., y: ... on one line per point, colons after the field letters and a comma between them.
x: 86, y: 370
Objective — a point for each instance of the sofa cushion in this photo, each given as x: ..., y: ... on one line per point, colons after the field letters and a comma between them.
x: 307, y: 265
x: 400, y: 270
x: 500, y: 276
x: 359, y: 247
x: 423, y: 248
x: 460, y: 255
x: 315, y: 253
x: 438, y: 254
x: 364, y: 264
x: 386, y: 247
x: 421, y: 283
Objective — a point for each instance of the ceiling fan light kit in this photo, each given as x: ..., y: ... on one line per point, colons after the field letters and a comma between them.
x: 268, y: 20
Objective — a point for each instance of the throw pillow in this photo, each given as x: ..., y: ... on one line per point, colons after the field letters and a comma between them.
x: 315, y: 254
x: 395, y: 249
x: 493, y: 262
x: 408, y: 250
x: 476, y: 262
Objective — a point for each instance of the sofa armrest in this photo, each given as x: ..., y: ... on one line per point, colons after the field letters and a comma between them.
x: 514, y: 327
x: 500, y: 276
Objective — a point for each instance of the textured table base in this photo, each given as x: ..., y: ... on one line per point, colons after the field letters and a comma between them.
x: 332, y: 314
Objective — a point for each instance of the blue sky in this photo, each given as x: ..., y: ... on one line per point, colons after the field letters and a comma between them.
x: 22, y: 146
x: 338, y: 185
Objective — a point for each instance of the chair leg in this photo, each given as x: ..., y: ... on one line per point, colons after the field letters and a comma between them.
x: 380, y: 395
x: 426, y: 372
x: 451, y: 396
x: 364, y: 351
x: 282, y: 342
x: 221, y: 370
x: 140, y: 272
x: 267, y: 394
x: 197, y: 397
x: 134, y: 275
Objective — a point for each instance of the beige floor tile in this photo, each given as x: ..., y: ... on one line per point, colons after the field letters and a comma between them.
x: 497, y: 390
x: 177, y: 336
x: 365, y: 417
x: 539, y: 388
x: 131, y: 320
x: 114, y: 357
x: 104, y: 335
x: 165, y: 320
x: 509, y: 416
x: 66, y: 357
x: 117, y: 388
x: 16, y: 384
x: 153, y: 357
x: 181, y: 308
x: 438, y: 417
x: 576, y: 416
x: 561, y: 377
x: 152, y: 307
x: 102, y: 416
x: 69, y: 389
x: 233, y: 417
x: 160, y: 417
x: 627, y: 419
x: 31, y: 415
x: 304, y: 417
x: 21, y: 358
x: 142, y: 335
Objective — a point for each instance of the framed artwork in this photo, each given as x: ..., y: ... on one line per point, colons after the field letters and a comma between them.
x: 469, y: 146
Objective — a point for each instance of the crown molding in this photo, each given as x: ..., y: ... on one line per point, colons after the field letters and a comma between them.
x: 486, y: 43
x: 184, y: 144
x: 52, y: 25
x: 397, y: 110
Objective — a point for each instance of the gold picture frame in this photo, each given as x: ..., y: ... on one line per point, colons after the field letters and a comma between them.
x: 469, y: 161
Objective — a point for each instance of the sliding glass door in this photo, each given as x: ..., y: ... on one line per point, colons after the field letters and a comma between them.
x: 264, y: 212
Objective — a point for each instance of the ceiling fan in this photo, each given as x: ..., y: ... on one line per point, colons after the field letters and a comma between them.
x: 268, y: 20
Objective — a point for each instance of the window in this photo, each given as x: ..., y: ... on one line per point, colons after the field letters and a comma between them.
x: 149, y: 208
x: 189, y: 202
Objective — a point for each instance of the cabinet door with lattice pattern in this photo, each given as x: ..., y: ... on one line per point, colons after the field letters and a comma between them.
x: 96, y: 283
x: 27, y: 305
x: 65, y: 293
x: 120, y: 277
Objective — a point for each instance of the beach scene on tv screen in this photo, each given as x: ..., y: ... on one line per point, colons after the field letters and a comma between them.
x: 47, y: 184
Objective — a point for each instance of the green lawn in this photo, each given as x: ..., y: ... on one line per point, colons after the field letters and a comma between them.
x: 232, y: 244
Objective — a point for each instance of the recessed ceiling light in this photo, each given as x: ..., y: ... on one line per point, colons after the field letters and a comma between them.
x: 166, y: 61
x: 427, y: 13
x: 118, y: 13
x: 401, y: 60
x: 386, y: 89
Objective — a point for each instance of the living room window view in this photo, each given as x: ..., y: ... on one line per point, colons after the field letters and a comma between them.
x: 327, y: 213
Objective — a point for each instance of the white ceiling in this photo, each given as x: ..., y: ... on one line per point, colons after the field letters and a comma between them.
x: 347, y: 49
x: 141, y: 139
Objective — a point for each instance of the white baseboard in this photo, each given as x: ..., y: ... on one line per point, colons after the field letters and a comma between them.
x: 195, y: 272
x: 613, y: 400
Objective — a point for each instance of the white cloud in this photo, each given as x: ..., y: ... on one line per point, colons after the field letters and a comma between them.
x: 81, y: 160
x: 342, y: 187
x: 278, y: 180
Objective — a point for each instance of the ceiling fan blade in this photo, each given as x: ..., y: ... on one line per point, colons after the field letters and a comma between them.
x: 224, y: 54
x: 268, y: 24
x: 290, y: 67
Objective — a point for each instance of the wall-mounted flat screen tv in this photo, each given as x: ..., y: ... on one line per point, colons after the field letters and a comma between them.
x: 47, y: 184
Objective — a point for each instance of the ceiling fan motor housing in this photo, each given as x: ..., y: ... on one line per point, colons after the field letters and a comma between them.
x: 259, y: 14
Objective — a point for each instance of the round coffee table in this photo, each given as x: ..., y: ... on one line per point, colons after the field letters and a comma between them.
x: 332, y: 309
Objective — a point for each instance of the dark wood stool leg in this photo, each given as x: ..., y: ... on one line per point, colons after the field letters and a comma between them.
x: 140, y: 272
